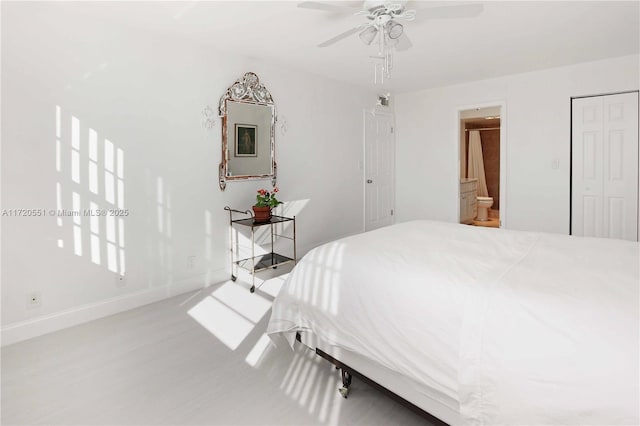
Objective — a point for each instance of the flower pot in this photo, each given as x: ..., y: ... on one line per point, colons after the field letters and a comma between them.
x: 261, y: 214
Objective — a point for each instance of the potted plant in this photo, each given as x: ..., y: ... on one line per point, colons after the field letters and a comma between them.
x: 265, y: 201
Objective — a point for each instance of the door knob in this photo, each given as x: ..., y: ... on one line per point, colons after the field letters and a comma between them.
x: 369, y: 181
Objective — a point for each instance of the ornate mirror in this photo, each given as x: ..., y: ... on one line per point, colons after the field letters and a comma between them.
x: 248, y: 132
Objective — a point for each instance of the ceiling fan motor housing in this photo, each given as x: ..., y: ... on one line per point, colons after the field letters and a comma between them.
x: 379, y: 6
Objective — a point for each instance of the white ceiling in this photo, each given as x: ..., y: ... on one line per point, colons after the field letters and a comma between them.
x: 506, y: 38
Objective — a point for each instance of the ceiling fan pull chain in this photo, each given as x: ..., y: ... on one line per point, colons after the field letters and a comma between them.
x: 378, y: 71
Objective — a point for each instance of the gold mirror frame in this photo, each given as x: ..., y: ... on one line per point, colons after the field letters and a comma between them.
x: 246, y: 91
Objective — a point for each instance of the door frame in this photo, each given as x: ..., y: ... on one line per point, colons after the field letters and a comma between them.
x: 571, y: 155
x: 503, y: 154
x: 363, y: 164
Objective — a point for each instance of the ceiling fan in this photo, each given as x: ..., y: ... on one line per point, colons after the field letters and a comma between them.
x: 383, y: 14
x: 381, y: 18
x: 382, y: 23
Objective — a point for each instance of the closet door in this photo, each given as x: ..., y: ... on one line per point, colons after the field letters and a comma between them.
x: 604, y: 160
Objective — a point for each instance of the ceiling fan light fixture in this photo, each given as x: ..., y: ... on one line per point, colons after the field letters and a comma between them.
x: 393, y: 29
x: 368, y: 35
x: 390, y: 42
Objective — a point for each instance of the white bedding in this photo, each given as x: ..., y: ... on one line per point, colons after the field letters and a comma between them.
x: 517, y: 327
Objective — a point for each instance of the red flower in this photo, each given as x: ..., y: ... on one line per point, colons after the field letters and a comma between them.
x: 267, y: 198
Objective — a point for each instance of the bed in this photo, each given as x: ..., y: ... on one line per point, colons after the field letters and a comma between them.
x: 474, y: 325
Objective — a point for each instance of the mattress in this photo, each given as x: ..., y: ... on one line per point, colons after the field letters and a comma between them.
x: 506, y: 327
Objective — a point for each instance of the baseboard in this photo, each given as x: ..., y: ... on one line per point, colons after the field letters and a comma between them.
x: 24, y: 330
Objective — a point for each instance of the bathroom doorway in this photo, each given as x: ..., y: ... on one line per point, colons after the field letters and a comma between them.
x: 482, y: 158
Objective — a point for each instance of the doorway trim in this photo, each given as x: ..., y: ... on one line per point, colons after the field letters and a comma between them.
x: 503, y: 154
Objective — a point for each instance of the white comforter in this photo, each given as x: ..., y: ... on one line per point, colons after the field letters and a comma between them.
x: 518, y: 327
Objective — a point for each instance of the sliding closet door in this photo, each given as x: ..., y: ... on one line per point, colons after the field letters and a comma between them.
x: 604, y: 160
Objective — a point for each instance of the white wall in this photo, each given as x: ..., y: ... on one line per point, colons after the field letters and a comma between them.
x: 538, y: 133
x: 145, y: 94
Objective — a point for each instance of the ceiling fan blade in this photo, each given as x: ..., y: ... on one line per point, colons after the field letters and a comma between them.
x: 404, y: 43
x: 342, y: 35
x: 449, y: 12
x: 331, y: 7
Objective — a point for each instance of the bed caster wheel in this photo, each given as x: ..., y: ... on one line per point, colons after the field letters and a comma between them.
x: 233, y: 278
x: 252, y: 289
x: 346, y: 382
x: 344, y: 392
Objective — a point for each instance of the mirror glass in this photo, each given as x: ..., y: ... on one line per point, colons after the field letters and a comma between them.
x: 248, y: 132
x: 248, y: 139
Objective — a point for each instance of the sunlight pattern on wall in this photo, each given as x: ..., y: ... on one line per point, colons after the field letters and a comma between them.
x: 93, y: 161
x: 75, y: 149
x: 97, y: 208
x: 77, y: 222
x: 94, y: 229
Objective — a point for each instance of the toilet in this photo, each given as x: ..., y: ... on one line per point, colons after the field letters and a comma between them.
x: 484, y: 203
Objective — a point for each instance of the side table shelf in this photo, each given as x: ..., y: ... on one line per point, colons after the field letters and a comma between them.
x: 256, y: 263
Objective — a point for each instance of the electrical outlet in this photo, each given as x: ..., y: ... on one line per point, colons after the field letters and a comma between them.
x: 121, y: 280
x: 34, y: 300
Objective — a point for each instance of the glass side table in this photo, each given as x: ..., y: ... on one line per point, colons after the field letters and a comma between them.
x: 256, y: 263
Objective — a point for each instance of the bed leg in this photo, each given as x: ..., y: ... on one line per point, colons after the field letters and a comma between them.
x: 346, y: 382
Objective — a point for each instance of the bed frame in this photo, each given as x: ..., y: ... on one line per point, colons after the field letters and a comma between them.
x: 401, y: 389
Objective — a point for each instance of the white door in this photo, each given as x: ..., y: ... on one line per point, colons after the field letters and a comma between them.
x: 604, y: 166
x: 379, y: 170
